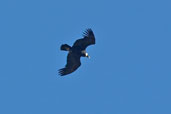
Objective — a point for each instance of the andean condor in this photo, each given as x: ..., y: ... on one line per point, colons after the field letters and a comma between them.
x: 77, y: 51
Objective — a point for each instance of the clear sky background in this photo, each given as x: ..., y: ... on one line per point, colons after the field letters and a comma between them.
x: 130, y: 67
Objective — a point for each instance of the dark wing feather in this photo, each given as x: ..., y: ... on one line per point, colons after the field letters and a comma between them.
x: 73, y: 62
x: 89, y: 39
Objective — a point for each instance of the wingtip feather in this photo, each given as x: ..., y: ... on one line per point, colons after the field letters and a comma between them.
x: 61, y: 72
x: 88, y: 33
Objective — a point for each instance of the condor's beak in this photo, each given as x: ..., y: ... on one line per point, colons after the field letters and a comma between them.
x: 86, y: 54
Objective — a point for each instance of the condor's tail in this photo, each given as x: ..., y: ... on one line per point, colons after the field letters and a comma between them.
x: 65, y: 47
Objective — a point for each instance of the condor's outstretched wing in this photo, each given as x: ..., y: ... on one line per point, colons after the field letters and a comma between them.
x: 89, y: 39
x: 73, y: 62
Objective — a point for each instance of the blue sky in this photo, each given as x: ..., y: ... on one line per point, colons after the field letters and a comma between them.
x: 130, y: 67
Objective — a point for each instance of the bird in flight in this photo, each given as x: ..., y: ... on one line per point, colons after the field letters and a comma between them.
x: 76, y: 52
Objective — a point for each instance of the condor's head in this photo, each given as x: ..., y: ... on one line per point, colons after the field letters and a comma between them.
x: 85, y: 54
